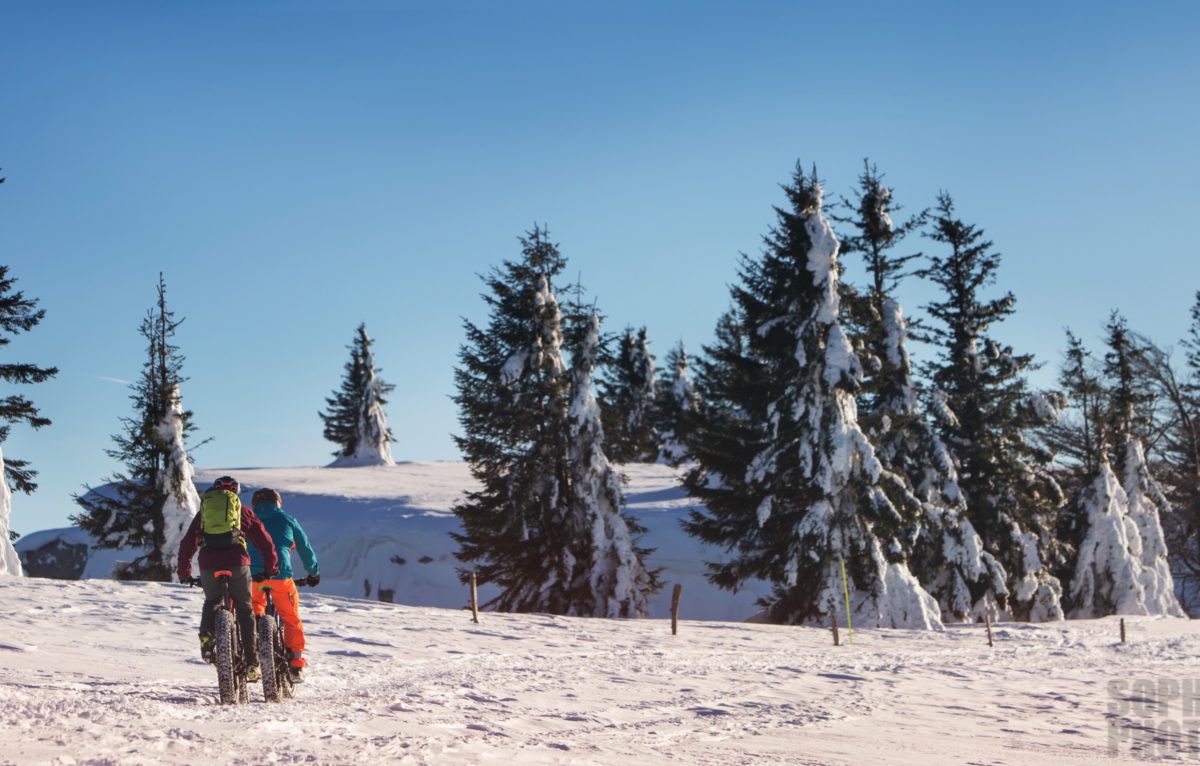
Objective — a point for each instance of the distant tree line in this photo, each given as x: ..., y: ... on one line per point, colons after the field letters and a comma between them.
x: 946, y: 491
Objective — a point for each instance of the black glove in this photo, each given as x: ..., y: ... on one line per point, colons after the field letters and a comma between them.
x: 313, y: 580
x: 260, y: 577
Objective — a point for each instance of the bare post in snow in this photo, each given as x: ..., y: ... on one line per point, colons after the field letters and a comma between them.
x: 675, y: 592
x: 474, y: 600
x: 988, y: 621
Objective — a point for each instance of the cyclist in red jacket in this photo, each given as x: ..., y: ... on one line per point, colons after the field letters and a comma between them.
x: 220, y: 530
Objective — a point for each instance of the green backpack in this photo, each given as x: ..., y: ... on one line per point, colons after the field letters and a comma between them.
x: 221, y: 519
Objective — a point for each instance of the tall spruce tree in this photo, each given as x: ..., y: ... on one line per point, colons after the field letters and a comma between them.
x: 138, y: 508
x: 1011, y: 498
x: 1129, y: 419
x: 943, y: 550
x: 18, y: 314
x: 675, y: 408
x: 545, y: 489
x: 604, y: 549
x: 794, y: 491
x: 355, y: 420
x: 629, y: 394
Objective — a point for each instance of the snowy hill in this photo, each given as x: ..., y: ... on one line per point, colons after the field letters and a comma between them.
x: 382, y: 532
x: 103, y: 672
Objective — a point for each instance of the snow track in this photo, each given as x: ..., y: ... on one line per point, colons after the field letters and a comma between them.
x: 101, y: 672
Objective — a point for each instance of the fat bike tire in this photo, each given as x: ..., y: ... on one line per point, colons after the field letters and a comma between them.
x: 283, y: 667
x: 266, y: 659
x: 227, y: 682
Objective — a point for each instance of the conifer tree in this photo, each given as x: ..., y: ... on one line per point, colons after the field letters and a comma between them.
x: 1107, y: 577
x: 676, y: 407
x: 943, y: 550
x: 605, y: 554
x: 1128, y: 422
x: 355, y: 420
x: 628, y: 400
x: 1147, y: 504
x: 793, y: 490
x: 18, y: 314
x: 141, y: 506
x: 530, y: 437
x: 1010, y: 497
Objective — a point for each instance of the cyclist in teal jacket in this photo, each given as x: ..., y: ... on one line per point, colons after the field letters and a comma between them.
x: 288, y: 535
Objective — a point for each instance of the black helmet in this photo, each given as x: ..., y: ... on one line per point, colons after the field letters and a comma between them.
x: 227, y: 483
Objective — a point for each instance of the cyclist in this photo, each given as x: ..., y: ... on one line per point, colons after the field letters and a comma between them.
x: 288, y: 536
x: 220, y: 530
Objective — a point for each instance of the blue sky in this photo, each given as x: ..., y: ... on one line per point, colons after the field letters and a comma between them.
x: 297, y: 168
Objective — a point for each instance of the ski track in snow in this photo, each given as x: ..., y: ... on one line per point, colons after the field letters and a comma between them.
x: 102, y: 672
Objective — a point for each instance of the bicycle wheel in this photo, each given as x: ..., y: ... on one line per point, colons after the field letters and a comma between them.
x: 283, y: 670
x: 266, y: 658
x: 226, y: 680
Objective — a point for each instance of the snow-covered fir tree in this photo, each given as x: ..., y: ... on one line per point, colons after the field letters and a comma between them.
x: 1128, y: 422
x: 607, y: 558
x: 140, y: 507
x: 676, y: 407
x: 628, y: 396
x: 181, y: 501
x: 1011, y: 498
x: 18, y: 314
x: 1146, y: 505
x: 792, y: 487
x: 944, y: 550
x: 1107, y: 578
x: 545, y: 489
x: 354, y: 418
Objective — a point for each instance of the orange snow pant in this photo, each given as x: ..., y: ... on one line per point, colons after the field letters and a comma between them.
x: 287, y: 604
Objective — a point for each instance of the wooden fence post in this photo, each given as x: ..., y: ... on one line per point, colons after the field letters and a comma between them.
x: 836, y: 642
x: 675, y: 593
x: 1122, y: 630
x: 988, y: 620
x: 474, y: 600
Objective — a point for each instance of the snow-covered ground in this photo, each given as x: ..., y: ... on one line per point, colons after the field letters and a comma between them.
x: 383, y: 532
x: 102, y: 672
